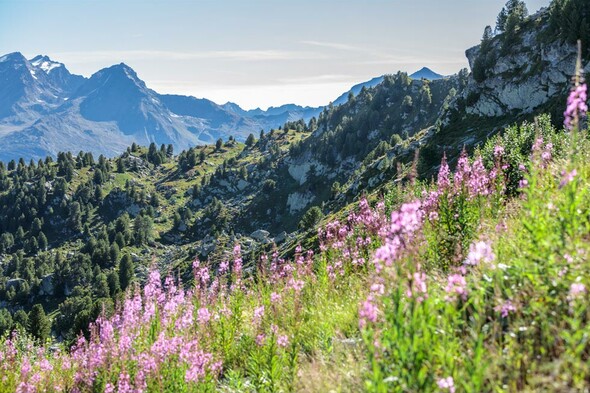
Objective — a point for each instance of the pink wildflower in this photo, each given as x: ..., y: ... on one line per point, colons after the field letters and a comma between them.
x: 446, y: 384
x: 203, y: 315
x: 403, y: 224
x: 223, y: 267
x: 297, y: 285
x: 238, y: 260
x: 260, y: 339
x: 417, y: 288
x: 258, y: 315
x: 378, y: 288
x: 456, y: 287
x: 443, y: 174
x: 478, y: 182
x: 478, y: 252
x: 577, y: 290
x: 576, y: 106
x: 25, y: 367
x: 505, y: 308
x: 567, y: 177
x: 153, y: 288
x: 368, y: 312
x: 275, y: 297
x: 498, y: 151
x: 124, y: 383
x: 25, y: 387
x: 463, y: 170
x: 283, y: 341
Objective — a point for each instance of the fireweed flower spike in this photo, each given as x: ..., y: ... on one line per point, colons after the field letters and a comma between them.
x: 577, y: 106
x: 443, y: 181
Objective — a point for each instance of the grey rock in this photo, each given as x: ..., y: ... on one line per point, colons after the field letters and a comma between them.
x: 260, y: 235
x: 14, y: 283
x: 281, y: 237
x: 47, y: 287
x: 299, y: 201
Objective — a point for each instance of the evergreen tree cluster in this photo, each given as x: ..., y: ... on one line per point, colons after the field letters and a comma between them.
x: 44, y: 209
x: 570, y: 20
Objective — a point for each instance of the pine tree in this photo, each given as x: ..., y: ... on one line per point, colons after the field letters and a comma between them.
x: 126, y: 271
x: 114, y: 252
x: 101, y: 286
x: 120, y: 240
x: 251, y: 140
x: 98, y: 177
x: 21, y: 319
x: 6, y: 322
x: 114, y: 285
x: 39, y: 324
x: 42, y: 240
x: 121, y: 165
x: 513, y: 8
x: 486, y: 40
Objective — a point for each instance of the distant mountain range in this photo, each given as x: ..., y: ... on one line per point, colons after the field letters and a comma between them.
x: 45, y: 109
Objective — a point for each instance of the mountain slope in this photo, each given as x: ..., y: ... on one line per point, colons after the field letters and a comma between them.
x: 356, y: 89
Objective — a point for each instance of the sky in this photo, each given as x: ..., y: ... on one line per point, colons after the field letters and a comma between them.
x: 255, y: 53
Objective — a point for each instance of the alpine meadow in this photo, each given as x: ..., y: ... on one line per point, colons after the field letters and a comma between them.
x: 420, y: 233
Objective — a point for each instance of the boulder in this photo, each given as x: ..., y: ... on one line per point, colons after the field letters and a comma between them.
x: 47, y: 288
x: 260, y: 235
x: 299, y: 201
x: 281, y: 237
x: 14, y: 283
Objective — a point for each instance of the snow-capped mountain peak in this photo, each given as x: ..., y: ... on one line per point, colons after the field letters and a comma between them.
x: 44, y: 63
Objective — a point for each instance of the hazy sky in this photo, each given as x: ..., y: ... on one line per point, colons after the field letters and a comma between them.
x: 255, y: 53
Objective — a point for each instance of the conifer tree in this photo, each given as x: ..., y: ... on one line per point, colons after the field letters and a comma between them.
x: 251, y: 140
x: 39, y: 324
x: 42, y: 241
x: 126, y: 271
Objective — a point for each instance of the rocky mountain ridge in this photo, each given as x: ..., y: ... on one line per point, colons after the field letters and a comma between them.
x: 524, y: 78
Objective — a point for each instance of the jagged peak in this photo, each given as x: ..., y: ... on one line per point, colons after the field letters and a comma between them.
x: 14, y: 57
x: 44, y: 63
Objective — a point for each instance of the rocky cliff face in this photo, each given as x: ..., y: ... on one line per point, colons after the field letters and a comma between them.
x: 523, y: 77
